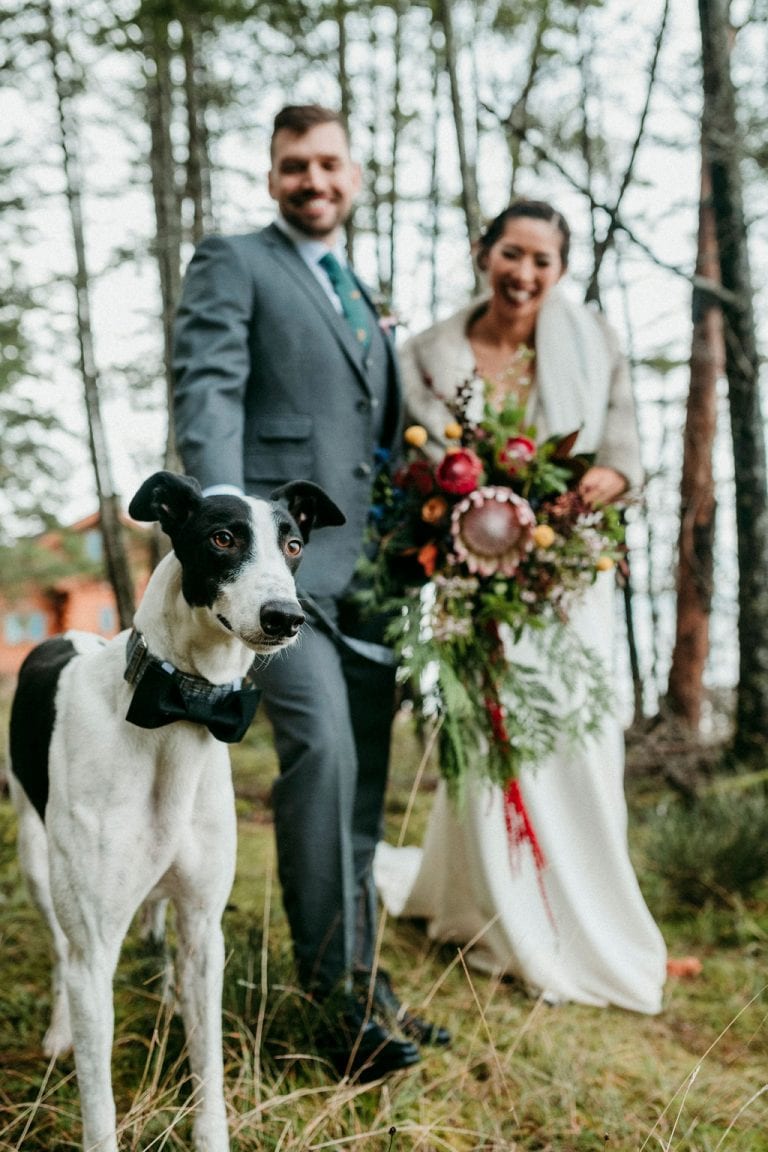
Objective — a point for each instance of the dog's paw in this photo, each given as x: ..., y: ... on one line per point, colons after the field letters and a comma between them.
x: 57, y: 1041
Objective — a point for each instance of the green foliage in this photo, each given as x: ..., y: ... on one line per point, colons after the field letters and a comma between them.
x: 30, y: 466
x: 711, y: 850
x: 207, y: 12
x: 498, y: 715
x: 511, y: 16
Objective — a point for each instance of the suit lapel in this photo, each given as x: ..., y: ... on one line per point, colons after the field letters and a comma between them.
x: 291, y: 261
x: 393, y: 369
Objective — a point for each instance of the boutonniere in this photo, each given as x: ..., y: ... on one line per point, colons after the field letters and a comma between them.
x: 388, y: 318
x: 388, y: 323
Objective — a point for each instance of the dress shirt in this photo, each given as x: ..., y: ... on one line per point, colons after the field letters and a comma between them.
x: 312, y: 252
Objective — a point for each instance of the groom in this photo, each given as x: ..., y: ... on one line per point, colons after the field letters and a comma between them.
x: 283, y: 372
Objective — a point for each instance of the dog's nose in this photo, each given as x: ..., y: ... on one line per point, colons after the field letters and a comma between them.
x: 281, y: 618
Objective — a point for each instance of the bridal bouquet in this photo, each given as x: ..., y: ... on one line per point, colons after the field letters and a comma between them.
x: 474, y: 551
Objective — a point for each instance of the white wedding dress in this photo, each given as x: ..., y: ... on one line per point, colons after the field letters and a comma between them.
x: 577, y: 930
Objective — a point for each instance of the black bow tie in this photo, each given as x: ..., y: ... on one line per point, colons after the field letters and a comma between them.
x: 162, y: 695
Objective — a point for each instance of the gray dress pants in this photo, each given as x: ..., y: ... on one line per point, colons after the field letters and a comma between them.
x: 331, y: 714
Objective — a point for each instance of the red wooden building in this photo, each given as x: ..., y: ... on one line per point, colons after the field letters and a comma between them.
x: 35, y: 607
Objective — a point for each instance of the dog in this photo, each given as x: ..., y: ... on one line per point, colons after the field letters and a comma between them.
x: 120, y: 775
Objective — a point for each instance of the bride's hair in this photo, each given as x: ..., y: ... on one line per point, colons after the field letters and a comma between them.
x: 533, y: 210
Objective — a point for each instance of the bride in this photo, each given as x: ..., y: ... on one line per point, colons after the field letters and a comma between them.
x: 577, y: 929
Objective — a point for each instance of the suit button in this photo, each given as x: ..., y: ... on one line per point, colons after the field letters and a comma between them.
x: 363, y: 406
x: 363, y: 470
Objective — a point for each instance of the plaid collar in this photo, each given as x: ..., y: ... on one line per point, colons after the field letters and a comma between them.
x: 162, y: 694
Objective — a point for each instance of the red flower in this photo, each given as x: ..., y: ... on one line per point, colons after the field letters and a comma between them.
x: 516, y: 453
x: 459, y: 472
x: 418, y: 474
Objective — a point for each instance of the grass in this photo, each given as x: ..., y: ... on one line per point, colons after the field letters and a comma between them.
x: 519, y: 1075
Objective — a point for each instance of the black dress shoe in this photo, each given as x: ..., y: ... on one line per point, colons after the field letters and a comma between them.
x: 363, y: 1049
x: 386, y: 1002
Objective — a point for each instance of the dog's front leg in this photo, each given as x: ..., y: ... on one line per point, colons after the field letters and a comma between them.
x: 89, y: 984
x: 201, y: 978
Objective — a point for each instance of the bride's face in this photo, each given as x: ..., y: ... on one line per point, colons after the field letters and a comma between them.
x: 523, y: 266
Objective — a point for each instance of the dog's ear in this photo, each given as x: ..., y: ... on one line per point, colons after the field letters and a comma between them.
x: 310, y: 506
x: 168, y: 498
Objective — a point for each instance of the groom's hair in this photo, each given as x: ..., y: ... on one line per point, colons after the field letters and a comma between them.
x: 532, y: 210
x: 299, y: 118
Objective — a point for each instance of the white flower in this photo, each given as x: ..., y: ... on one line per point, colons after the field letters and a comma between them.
x: 475, y: 408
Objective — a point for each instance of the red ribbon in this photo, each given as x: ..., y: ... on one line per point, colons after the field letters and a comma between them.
x: 496, y: 717
x: 518, y: 822
x: 519, y: 826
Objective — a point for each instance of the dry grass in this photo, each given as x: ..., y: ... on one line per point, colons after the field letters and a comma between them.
x: 519, y: 1076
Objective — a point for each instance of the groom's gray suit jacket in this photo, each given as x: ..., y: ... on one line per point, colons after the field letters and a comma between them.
x: 271, y: 386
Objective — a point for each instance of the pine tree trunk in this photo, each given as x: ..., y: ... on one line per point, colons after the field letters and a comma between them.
x: 697, y: 491
x: 517, y: 121
x: 397, y: 126
x: 197, y: 189
x: 434, y: 186
x: 469, y: 196
x: 111, y: 528
x: 722, y: 140
x: 166, y: 200
x: 345, y: 102
x: 373, y: 167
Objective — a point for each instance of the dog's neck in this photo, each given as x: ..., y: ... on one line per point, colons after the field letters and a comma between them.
x: 189, y: 638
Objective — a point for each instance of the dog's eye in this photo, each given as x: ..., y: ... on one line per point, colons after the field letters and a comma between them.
x: 223, y: 540
x: 294, y: 546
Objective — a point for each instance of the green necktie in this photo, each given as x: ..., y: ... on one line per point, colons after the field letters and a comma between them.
x: 352, y: 304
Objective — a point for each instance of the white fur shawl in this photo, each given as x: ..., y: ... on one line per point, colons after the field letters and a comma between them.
x: 582, y: 380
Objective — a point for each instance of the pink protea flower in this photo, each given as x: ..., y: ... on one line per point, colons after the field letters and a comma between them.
x: 492, y: 531
x: 459, y: 471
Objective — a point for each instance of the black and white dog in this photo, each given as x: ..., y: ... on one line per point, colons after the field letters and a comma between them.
x: 122, y: 788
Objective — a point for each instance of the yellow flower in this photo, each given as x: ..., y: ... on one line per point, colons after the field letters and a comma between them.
x: 415, y: 435
x: 452, y: 431
x: 604, y: 563
x: 543, y: 536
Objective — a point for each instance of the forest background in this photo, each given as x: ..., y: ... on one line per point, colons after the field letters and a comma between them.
x: 128, y: 129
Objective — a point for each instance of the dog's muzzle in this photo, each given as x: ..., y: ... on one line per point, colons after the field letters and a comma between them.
x: 281, y: 619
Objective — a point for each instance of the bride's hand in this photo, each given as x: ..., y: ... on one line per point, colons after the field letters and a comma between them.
x: 601, y: 485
